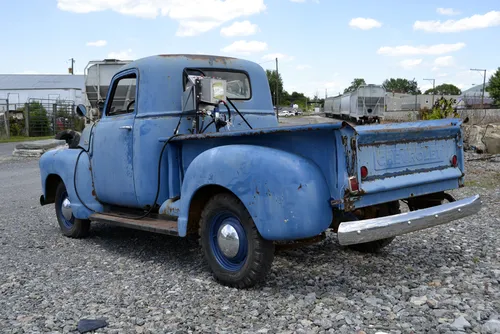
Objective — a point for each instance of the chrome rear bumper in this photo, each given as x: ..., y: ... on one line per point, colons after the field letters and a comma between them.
x: 361, y: 231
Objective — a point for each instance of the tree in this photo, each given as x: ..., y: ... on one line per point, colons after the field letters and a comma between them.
x: 401, y: 85
x: 272, y: 78
x: 444, y: 89
x: 355, y: 84
x: 443, y: 108
x: 494, y: 86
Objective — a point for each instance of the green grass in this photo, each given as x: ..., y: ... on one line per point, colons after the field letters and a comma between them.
x: 16, y: 139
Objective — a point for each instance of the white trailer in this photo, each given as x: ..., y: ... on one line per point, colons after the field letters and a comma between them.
x: 332, y: 106
x: 345, y: 106
x: 367, y: 104
x: 98, y: 75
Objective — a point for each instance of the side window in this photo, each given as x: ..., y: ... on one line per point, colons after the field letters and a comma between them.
x: 122, y: 98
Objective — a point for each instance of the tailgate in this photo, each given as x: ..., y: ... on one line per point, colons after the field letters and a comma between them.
x: 409, y: 159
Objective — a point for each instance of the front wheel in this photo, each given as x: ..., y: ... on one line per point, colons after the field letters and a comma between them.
x: 70, y: 225
x: 233, y: 247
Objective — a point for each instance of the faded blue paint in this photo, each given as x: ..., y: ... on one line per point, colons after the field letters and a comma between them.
x: 285, y: 176
x: 286, y: 194
x: 62, y: 163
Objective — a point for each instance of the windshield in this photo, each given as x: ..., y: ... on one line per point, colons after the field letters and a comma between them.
x: 238, y: 84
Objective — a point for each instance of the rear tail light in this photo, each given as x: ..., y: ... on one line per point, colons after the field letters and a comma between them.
x: 364, y: 172
x: 454, y: 161
x: 353, y: 183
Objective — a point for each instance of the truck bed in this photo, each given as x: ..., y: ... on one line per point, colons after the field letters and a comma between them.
x: 403, y: 160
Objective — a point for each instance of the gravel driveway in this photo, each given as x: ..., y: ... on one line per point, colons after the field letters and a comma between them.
x: 437, y: 281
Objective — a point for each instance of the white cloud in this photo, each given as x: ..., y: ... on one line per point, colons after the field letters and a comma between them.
x: 194, y: 16
x: 410, y: 63
x: 490, y: 19
x: 405, y: 50
x: 442, y: 75
x: 245, y: 47
x: 447, y: 11
x: 303, y: 67
x: 244, y: 28
x: 98, y: 43
x: 364, y: 23
x: 122, y: 55
x: 444, y: 61
x: 280, y: 56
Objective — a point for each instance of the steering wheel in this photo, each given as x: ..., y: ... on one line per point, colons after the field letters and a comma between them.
x: 130, y: 103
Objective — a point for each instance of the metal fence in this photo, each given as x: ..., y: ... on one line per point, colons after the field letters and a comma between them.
x: 44, y: 117
x: 38, y: 117
x: 4, y: 120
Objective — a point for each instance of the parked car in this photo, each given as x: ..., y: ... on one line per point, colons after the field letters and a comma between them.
x: 173, y: 152
x: 285, y: 113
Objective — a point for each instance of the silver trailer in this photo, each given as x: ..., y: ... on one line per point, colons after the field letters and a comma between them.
x: 367, y: 104
x: 345, y: 105
x: 364, y: 105
x: 98, y: 75
x: 332, y: 106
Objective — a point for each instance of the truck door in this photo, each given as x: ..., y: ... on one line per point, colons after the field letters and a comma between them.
x: 113, y: 139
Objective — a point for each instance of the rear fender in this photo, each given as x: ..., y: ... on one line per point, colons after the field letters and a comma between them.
x: 61, y: 163
x: 286, y: 194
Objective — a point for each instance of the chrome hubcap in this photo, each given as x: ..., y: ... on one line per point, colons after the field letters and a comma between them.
x: 228, y: 240
x: 66, y: 209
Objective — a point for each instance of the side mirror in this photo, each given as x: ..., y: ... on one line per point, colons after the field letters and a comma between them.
x: 81, y: 110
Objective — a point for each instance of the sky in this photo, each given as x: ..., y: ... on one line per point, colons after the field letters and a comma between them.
x: 321, y: 45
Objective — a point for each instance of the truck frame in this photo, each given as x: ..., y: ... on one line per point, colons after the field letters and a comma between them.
x: 190, y: 145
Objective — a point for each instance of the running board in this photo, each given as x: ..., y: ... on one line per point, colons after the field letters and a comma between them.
x: 157, y: 225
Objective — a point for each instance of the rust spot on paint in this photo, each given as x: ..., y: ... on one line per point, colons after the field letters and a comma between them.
x: 93, y: 193
x: 257, y: 190
x: 300, y: 187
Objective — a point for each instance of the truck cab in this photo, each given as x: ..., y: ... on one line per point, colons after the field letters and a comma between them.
x: 190, y: 145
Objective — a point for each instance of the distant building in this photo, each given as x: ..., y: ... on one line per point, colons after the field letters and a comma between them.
x: 22, y: 88
x: 472, y: 97
x: 400, y: 102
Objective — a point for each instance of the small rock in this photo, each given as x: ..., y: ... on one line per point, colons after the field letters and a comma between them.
x: 305, y: 322
x: 418, y: 300
x: 310, y: 298
x: 254, y: 313
x: 491, y: 326
x: 372, y: 301
x: 432, y: 303
x: 460, y: 324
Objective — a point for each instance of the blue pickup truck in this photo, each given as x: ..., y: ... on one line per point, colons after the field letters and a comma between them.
x: 190, y: 145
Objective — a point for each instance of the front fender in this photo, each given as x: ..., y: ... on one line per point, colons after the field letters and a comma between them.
x: 286, y: 194
x: 61, y: 162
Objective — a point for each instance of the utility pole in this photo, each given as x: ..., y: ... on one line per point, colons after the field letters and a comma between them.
x: 72, y: 70
x: 484, y: 84
x: 277, y: 84
x: 433, y: 88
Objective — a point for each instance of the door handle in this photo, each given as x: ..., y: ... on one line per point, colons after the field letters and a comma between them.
x: 126, y: 127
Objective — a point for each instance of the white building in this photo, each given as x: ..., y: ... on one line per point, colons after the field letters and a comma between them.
x: 21, y: 88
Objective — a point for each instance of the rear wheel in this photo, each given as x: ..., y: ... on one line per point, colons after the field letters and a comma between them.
x: 233, y: 247
x: 70, y: 226
x: 387, y: 209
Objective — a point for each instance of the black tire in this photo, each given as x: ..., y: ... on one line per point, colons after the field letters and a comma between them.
x: 71, y: 137
x: 74, y: 227
x: 255, y: 255
x: 375, y: 246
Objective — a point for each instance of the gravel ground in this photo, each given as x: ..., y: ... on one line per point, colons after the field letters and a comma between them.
x: 441, y: 280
